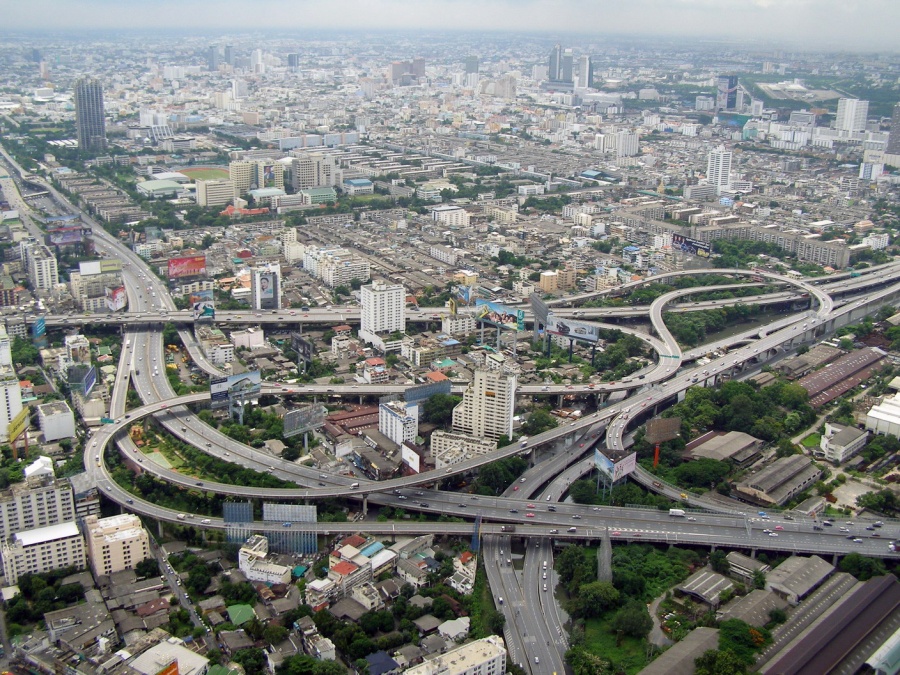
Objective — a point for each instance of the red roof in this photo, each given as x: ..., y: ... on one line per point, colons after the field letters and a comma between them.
x: 344, y: 568
x: 354, y: 540
x: 465, y: 557
x: 375, y: 361
x: 436, y: 376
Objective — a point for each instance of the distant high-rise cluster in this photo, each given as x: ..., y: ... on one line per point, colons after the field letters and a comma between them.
x: 90, y: 117
x: 471, y: 65
x: 560, y: 65
x: 212, y: 59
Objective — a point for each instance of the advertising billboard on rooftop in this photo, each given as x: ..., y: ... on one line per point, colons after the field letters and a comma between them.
x: 579, y: 330
x: 499, y: 315
x: 188, y: 266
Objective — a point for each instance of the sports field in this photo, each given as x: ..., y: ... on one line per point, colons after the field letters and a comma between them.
x: 205, y: 174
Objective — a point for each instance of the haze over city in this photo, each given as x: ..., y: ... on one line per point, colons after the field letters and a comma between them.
x: 836, y: 24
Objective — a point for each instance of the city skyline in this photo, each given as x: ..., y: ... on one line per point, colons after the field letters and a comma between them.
x: 838, y: 24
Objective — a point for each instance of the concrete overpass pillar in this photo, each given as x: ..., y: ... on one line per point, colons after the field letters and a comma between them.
x: 366, y: 505
x: 159, y: 528
x: 753, y: 553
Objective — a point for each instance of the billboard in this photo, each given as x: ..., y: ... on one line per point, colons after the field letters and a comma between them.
x: 66, y: 236
x: 188, y: 266
x: 294, y: 513
x: 465, y: 294
x: 266, y: 286
x: 202, y: 304
x: 304, y: 348
x: 539, y: 308
x: 18, y: 424
x: 245, y: 386
x: 116, y: 298
x: 91, y: 267
x: 615, y: 470
x: 663, y: 429
x: 579, y: 330
x: 692, y: 246
x: 82, y: 379
x: 39, y: 327
x: 500, y: 315
x: 269, y: 176
x: 452, y: 306
x: 304, y: 419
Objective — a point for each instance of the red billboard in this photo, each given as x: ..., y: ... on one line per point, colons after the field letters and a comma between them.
x: 190, y: 266
x: 116, y: 298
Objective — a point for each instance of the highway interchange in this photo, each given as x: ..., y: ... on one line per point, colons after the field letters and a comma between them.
x: 545, y: 484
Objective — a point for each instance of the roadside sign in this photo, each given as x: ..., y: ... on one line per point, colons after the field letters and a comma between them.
x: 107, y: 420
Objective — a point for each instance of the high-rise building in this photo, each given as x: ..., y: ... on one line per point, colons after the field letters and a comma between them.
x: 471, y: 64
x: 42, y: 550
x: 257, y: 64
x: 585, y: 72
x: 383, y: 308
x: 313, y: 170
x: 566, y: 66
x: 486, y: 410
x: 90, y: 116
x: 116, y: 543
x: 239, y: 89
x: 627, y: 143
x: 399, y: 421
x: 212, y: 58
x: 718, y: 168
x: 726, y: 92
x: 265, y: 286
x: 418, y: 67
x: 214, y: 192
x: 40, y: 265
x: 5, y: 348
x: 229, y: 55
x: 555, y: 64
x: 249, y: 175
x: 293, y: 61
x: 852, y: 114
x: 893, y: 145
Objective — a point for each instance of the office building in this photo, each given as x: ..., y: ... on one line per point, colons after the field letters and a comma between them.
x: 116, y: 543
x: 293, y: 61
x: 90, y: 117
x: 471, y: 65
x: 585, y: 72
x: 314, y: 170
x: 726, y: 92
x: 56, y: 421
x: 893, y: 145
x: 479, y: 657
x: 566, y: 64
x: 239, y: 90
x: 252, y: 175
x: 486, y: 410
x: 42, y: 550
x: 265, y: 286
x: 718, y: 168
x: 555, y: 64
x: 36, y: 502
x: 229, y: 55
x: 214, y: 192
x: 212, y: 58
x: 399, y: 421
x: 852, y: 114
x: 383, y: 308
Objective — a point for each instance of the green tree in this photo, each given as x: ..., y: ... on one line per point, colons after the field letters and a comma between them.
x: 253, y: 660
x: 759, y: 579
x: 719, y: 562
x: 275, y: 634
x: 596, y: 597
x: 438, y: 409
x: 715, y: 662
x: 148, y: 567
x: 862, y: 567
x: 539, y: 421
x: 633, y: 619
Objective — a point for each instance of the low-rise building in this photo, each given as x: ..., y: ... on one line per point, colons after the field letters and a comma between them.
x: 252, y: 562
x: 839, y: 442
x: 777, y: 483
x: 56, y: 420
x: 479, y: 657
x: 797, y: 577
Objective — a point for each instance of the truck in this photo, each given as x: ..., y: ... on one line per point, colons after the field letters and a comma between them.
x: 677, y: 512
x: 507, y: 528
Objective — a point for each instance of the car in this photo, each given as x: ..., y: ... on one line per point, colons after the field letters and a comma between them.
x: 109, y: 488
x: 576, y: 517
x: 818, y: 528
x: 551, y: 508
x: 285, y: 524
x: 514, y: 510
x: 616, y: 533
x: 581, y: 445
x: 773, y: 534
x: 572, y: 529
x: 164, y: 406
x: 199, y: 484
x: 530, y: 506
x: 129, y: 501
x: 461, y: 505
x: 691, y: 518
x: 826, y: 523
x: 424, y: 505
x: 545, y: 575
x: 857, y: 540
x: 522, y: 480
x: 871, y: 528
x: 779, y: 527
x: 844, y: 529
x: 529, y: 515
x: 554, y: 531
x: 516, y: 488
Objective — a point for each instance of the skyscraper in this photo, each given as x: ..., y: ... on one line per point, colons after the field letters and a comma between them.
x: 293, y: 61
x: 555, y: 64
x: 212, y: 58
x: 229, y: 55
x: 851, y: 115
x: 565, y: 66
x: 471, y: 64
x: 726, y: 92
x: 90, y: 117
x: 893, y: 146
x: 585, y: 72
x: 718, y: 168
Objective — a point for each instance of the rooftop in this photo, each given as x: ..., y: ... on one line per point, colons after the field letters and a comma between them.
x: 44, y: 534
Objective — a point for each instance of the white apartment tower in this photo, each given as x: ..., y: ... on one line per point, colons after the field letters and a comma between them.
x: 40, y: 265
x: 486, y: 410
x: 851, y: 115
x: 37, y: 502
x: 116, y: 543
x: 479, y: 657
x: 718, y: 168
x: 10, y: 399
x: 399, y: 421
x: 214, y: 192
x: 5, y: 348
x: 383, y: 308
x: 315, y: 169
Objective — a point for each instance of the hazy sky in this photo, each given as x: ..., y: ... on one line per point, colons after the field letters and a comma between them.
x: 855, y: 24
